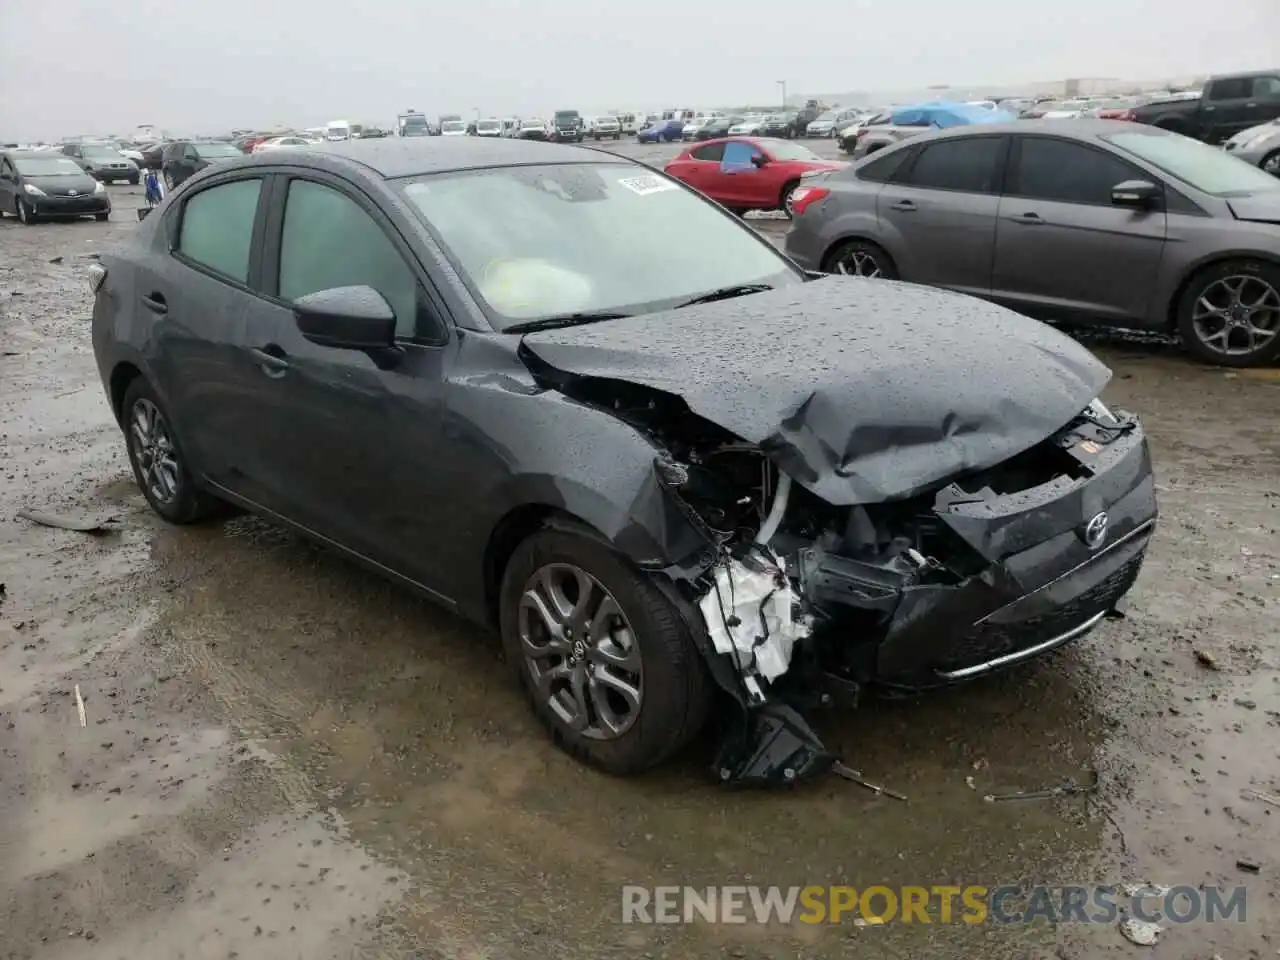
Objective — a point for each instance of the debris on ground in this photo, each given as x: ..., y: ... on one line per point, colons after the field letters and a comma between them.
x: 1246, y: 703
x: 84, y: 721
x: 1248, y: 866
x: 1067, y: 788
x: 1267, y: 798
x: 1142, y: 932
x: 854, y: 776
x: 1207, y: 659
x: 80, y: 525
x: 55, y: 259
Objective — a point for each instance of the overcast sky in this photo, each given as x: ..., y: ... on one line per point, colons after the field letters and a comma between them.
x: 78, y: 67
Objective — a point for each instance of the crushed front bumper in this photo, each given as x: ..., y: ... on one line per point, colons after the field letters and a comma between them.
x: 1048, y: 563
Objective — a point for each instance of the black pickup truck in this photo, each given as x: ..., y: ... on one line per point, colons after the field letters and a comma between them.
x: 1227, y: 104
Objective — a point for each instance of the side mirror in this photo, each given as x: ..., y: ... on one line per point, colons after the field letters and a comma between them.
x: 348, y: 318
x: 759, y: 159
x: 1138, y: 194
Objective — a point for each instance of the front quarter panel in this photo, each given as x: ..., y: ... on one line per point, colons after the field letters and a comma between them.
x: 514, y: 445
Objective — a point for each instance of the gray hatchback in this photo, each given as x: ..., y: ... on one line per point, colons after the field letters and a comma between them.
x: 1097, y: 220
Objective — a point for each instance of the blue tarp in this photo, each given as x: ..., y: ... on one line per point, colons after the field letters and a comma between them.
x: 940, y: 113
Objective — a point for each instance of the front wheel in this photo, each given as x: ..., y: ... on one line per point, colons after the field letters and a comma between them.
x: 860, y: 258
x: 606, y: 660
x: 159, y: 466
x: 1271, y: 163
x: 168, y: 180
x: 102, y: 217
x: 26, y: 215
x: 1229, y: 314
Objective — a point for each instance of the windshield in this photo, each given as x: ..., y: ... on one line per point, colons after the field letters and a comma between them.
x: 1203, y: 167
x: 829, y: 115
x: 453, y: 126
x: 217, y: 150
x: 566, y: 114
x: 533, y: 124
x: 544, y: 241
x: 47, y: 166
x: 98, y: 151
x: 488, y: 125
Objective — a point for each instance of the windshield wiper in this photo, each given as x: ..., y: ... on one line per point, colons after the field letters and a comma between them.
x: 568, y: 320
x: 726, y: 293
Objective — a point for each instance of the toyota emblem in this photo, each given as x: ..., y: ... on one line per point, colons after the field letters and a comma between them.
x: 72, y: 193
x: 1095, y: 531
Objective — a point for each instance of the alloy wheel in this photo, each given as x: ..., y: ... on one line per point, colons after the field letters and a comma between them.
x: 1237, y: 315
x: 24, y: 211
x: 859, y: 263
x: 580, y: 651
x: 153, y: 451
x: 1271, y: 164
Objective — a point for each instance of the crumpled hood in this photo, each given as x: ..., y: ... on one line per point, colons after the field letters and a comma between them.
x: 862, y: 390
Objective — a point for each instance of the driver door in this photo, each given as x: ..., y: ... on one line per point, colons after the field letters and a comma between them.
x: 740, y: 179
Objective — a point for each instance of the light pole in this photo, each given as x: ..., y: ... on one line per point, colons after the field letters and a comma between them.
x: 783, y: 85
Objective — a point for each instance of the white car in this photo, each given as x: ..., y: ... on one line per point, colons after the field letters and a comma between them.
x: 749, y: 126
x: 277, y: 143
x: 489, y: 127
x: 453, y: 128
x: 534, y: 130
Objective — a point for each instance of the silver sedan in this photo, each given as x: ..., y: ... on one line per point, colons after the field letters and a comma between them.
x: 1258, y: 145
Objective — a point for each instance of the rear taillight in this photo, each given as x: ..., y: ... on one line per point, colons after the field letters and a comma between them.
x: 804, y: 197
x: 97, y: 276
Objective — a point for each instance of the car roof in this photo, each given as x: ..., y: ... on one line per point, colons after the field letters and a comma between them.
x: 1082, y: 128
x: 31, y: 154
x: 393, y: 157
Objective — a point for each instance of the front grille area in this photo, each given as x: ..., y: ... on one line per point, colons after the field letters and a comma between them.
x: 990, y: 640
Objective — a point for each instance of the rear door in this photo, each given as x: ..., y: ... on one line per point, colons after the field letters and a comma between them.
x: 8, y: 186
x: 702, y: 169
x: 938, y: 216
x: 1062, y: 248
x: 200, y: 296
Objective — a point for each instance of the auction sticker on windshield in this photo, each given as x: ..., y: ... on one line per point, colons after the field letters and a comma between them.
x: 646, y: 185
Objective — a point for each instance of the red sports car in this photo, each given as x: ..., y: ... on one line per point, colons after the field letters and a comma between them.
x: 748, y: 173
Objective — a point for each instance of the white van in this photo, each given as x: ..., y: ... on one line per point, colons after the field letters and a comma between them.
x: 343, y: 130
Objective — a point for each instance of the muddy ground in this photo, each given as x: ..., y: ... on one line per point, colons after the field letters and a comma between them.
x: 286, y: 757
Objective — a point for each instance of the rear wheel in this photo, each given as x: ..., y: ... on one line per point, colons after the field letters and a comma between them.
x: 608, y: 663
x: 860, y: 258
x: 102, y: 217
x: 1229, y: 314
x: 784, y: 200
x: 157, y: 460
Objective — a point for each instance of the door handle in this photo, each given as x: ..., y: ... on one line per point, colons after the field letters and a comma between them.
x: 905, y: 206
x: 1250, y: 104
x: 1030, y: 219
x: 155, y: 303
x: 1209, y: 107
x: 271, y: 360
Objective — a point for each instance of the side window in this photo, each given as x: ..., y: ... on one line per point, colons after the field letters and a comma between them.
x: 965, y: 163
x: 882, y: 169
x: 191, y: 153
x: 1237, y: 88
x: 330, y: 241
x: 712, y: 151
x: 1266, y: 88
x: 1068, y: 172
x: 217, y: 227
x: 737, y: 156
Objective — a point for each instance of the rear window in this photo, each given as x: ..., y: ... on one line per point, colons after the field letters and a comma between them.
x: 883, y: 167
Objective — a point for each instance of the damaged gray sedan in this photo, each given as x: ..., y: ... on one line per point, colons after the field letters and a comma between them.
x: 565, y: 396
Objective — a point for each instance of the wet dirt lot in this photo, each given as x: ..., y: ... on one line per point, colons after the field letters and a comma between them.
x: 285, y: 757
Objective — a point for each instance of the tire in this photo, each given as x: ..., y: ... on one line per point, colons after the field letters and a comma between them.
x: 133, y: 181
x: 168, y: 180
x: 186, y: 503
x: 102, y: 217
x: 787, y: 190
x: 25, y: 213
x: 1213, y: 286
x: 866, y: 255
x: 1271, y: 163
x: 674, y: 687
